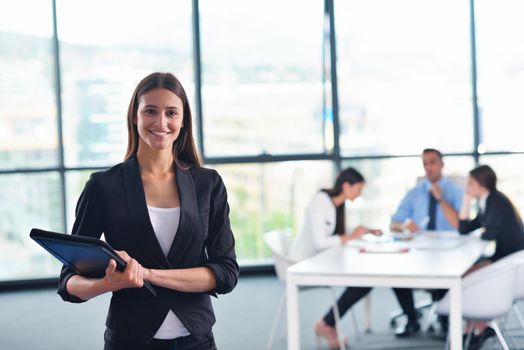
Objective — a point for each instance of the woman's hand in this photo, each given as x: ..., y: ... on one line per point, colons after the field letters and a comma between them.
x: 358, y: 232
x: 468, y: 197
x: 345, y: 238
x: 466, y: 205
x: 411, y: 226
x: 376, y: 232
x: 131, y: 277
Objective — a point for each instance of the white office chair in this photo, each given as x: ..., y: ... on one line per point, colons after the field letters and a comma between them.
x: 519, y: 290
x: 278, y: 242
x: 488, y: 293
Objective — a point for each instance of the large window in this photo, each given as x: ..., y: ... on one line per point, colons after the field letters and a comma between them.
x: 387, y: 181
x: 403, y: 72
x: 75, y: 182
x: 27, y: 201
x: 28, y: 137
x: 510, y: 176
x: 500, y: 59
x: 270, y: 196
x: 102, y: 66
x: 262, y: 77
x: 266, y: 78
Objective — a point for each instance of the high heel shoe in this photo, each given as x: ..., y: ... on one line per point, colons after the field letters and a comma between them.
x: 323, y: 330
x: 477, y: 341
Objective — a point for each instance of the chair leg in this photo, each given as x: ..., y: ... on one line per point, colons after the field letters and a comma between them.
x: 367, y: 313
x: 276, y: 321
x: 283, y: 329
x: 431, y: 316
x: 516, y: 308
x: 337, y: 320
x: 470, y: 330
x: 503, y: 321
x: 355, y: 324
x: 448, y: 342
x: 502, y: 341
x: 394, y: 316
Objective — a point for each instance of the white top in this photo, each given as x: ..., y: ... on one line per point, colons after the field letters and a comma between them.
x: 165, y: 224
x: 482, y: 202
x: 318, y: 228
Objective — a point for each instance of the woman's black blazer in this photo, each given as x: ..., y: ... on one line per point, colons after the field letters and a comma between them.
x: 113, y: 202
x: 501, y: 224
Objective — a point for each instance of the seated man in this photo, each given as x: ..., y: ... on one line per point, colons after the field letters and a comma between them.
x: 433, y: 204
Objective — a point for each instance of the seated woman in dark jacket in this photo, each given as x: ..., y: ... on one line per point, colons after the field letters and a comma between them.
x: 500, y: 221
x: 498, y: 217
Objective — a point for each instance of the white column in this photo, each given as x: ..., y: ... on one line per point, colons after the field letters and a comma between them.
x: 455, y: 314
x: 293, y: 329
x: 367, y: 313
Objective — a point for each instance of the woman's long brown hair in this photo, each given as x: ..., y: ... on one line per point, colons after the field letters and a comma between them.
x: 352, y: 176
x: 184, y: 149
x: 487, y: 178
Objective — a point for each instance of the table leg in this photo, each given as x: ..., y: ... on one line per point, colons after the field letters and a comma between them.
x: 293, y: 329
x: 455, y: 315
x: 367, y: 313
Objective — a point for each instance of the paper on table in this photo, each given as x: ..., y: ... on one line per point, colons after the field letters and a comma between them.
x: 436, y: 244
x: 438, y: 234
x: 384, y: 248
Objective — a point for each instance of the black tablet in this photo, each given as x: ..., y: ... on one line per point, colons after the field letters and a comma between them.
x: 86, y: 256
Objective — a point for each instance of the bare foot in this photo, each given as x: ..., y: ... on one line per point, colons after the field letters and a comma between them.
x: 329, y: 333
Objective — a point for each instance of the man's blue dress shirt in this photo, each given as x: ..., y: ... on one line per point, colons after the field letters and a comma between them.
x: 415, y: 204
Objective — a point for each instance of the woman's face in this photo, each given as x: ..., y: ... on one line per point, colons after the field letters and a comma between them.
x: 352, y: 192
x: 159, y: 118
x: 474, y: 188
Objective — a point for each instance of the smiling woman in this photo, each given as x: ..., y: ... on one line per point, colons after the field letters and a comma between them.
x: 168, y: 218
x: 160, y: 106
x: 159, y: 117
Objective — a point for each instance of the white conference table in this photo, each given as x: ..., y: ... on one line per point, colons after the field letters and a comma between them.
x: 420, y: 267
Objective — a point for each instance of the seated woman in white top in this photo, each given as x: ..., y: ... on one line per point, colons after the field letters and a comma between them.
x: 324, y: 223
x: 324, y: 227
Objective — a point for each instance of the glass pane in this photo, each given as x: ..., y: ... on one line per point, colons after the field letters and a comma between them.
x: 102, y: 66
x: 500, y: 58
x: 28, y: 124
x: 27, y: 201
x: 262, y: 89
x: 387, y: 181
x: 404, y: 81
x: 510, y: 176
x: 263, y: 197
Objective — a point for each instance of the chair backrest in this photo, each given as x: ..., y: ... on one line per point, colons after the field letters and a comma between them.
x: 278, y: 242
x: 519, y: 280
x: 488, y: 293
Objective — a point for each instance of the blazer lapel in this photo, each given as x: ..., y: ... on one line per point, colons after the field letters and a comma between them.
x: 139, y: 215
x: 186, y: 232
